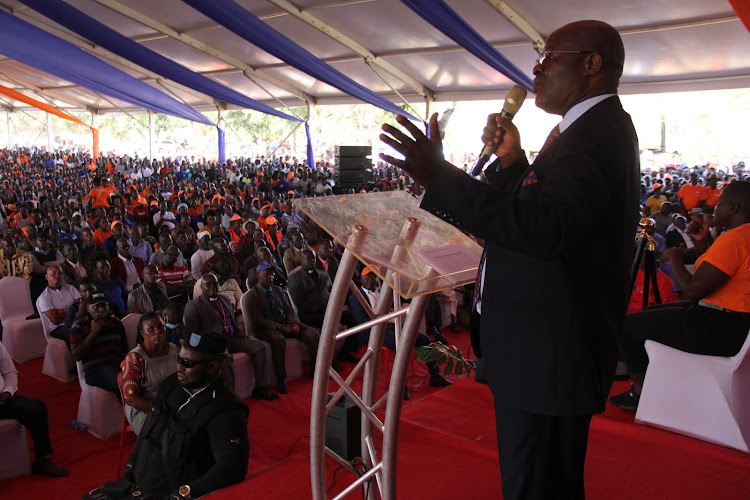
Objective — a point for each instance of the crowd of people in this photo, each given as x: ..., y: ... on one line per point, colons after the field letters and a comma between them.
x: 178, y: 243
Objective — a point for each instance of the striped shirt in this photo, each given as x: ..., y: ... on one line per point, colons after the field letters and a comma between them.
x: 109, y: 347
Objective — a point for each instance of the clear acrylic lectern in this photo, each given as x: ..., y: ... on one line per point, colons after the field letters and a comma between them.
x: 415, y: 254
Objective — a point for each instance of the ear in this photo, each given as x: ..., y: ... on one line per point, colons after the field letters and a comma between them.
x: 593, y: 64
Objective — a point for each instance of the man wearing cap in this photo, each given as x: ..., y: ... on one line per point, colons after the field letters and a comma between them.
x: 194, y: 440
x: 211, y: 312
x: 235, y: 230
x: 97, y: 339
x: 272, y: 233
x: 204, y: 252
x: 274, y: 319
x: 110, y: 243
x: 654, y: 202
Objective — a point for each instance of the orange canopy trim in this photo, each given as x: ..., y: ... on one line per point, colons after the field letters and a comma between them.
x: 14, y: 94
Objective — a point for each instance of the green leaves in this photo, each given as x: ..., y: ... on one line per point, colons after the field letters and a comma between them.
x: 449, y: 355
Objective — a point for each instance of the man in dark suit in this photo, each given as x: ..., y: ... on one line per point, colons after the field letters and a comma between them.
x: 273, y: 319
x: 212, y: 313
x: 548, y: 342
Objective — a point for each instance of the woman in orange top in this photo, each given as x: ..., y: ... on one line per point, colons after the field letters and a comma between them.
x: 717, y: 318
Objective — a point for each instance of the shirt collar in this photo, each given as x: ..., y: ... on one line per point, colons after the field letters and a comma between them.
x: 579, y: 109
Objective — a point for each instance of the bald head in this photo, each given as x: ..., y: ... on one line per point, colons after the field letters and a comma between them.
x: 599, y: 37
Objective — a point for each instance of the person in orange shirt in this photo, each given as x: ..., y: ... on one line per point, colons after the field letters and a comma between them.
x: 104, y: 231
x: 717, y: 319
x: 713, y: 193
x: 99, y: 195
x: 272, y: 233
x: 692, y: 195
x: 235, y: 229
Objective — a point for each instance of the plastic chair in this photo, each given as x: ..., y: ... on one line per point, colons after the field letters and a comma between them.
x: 58, y: 361
x: 130, y: 323
x: 706, y: 397
x: 24, y: 339
x: 14, y: 460
x: 97, y: 408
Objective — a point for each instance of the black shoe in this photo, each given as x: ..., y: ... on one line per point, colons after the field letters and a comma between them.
x: 438, y: 380
x: 45, y: 467
x: 347, y: 358
x: 282, y: 388
x: 263, y: 393
x: 628, y: 400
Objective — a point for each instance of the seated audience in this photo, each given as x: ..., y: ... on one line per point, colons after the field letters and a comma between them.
x: 72, y: 269
x: 204, y: 252
x: 111, y: 286
x: 211, y: 312
x: 126, y: 267
x: 145, y: 367
x: 175, y: 277
x: 172, y: 316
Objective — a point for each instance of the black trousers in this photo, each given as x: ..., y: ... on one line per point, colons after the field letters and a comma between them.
x: 541, y: 456
x: 686, y: 326
x: 32, y: 413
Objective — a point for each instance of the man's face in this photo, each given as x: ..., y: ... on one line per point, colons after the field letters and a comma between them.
x: 210, y: 286
x: 98, y: 311
x: 171, y: 256
x: 43, y: 242
x: 206, y: 242
x: 54, y: 276
x: 135, y: 236
x: 123, y: 248
x: 324, y: 249
x: 150, y: 274
x: 117, y: 231
x: 559, y: 83
x: 64, y: 225
x: 165, y: 241
x: 87, y: 236
x: 265, y: 278
x: 680, y: 223
x: 220, y: 246
x: 201, y: 368
x: 370, y: 281
x: 307, y: 260
x: 102, y: 270
x: 70, y: 251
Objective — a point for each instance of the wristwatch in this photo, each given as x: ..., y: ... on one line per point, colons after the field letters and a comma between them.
x: 184, y: 492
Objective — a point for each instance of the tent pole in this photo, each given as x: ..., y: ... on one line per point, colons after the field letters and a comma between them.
x: 10, y: 130
x: 151, y: 123
x: 49, y: 134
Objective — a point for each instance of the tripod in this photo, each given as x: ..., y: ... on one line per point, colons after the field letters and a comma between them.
x: 645, y: 247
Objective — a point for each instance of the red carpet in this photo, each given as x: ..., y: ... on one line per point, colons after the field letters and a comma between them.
x: 447, y: 449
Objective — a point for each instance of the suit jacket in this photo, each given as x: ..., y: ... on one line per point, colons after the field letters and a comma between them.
x: 261, y: 317
x: 118, y: 268
x: 200, y: 316
x: 556, y: 278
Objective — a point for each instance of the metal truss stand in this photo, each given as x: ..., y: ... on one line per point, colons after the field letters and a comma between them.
x: 381, y: 468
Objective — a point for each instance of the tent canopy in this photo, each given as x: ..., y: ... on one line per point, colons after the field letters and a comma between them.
x: 671, y: 45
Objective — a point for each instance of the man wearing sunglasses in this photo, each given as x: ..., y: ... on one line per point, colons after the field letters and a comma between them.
x: 548, y: 342
x: 98, y: 340
x: 194, y: 440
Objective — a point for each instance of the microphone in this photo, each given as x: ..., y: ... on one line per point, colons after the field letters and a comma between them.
x: 513, y: 101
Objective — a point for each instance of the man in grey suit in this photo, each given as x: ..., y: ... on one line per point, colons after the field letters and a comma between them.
x: 554, y: 287
x: 212, y: 313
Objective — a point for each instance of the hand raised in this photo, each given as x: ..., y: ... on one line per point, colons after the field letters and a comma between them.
x: 421, y: 154
x: 504, y: 136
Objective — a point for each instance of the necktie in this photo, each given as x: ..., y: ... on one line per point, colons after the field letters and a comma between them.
x: 274, y: 304
x: 552, y: 137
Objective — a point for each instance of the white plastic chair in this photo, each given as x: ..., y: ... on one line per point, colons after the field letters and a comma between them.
x: 99, y: 409
x: 58, y: 362
x: 706, y: 397
x: 24, y: 339
x: 14, y: 460
x: 130, y: 323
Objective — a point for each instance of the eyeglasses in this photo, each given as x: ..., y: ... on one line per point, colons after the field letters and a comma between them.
x: 191, y: 363
x: 547, y: 54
